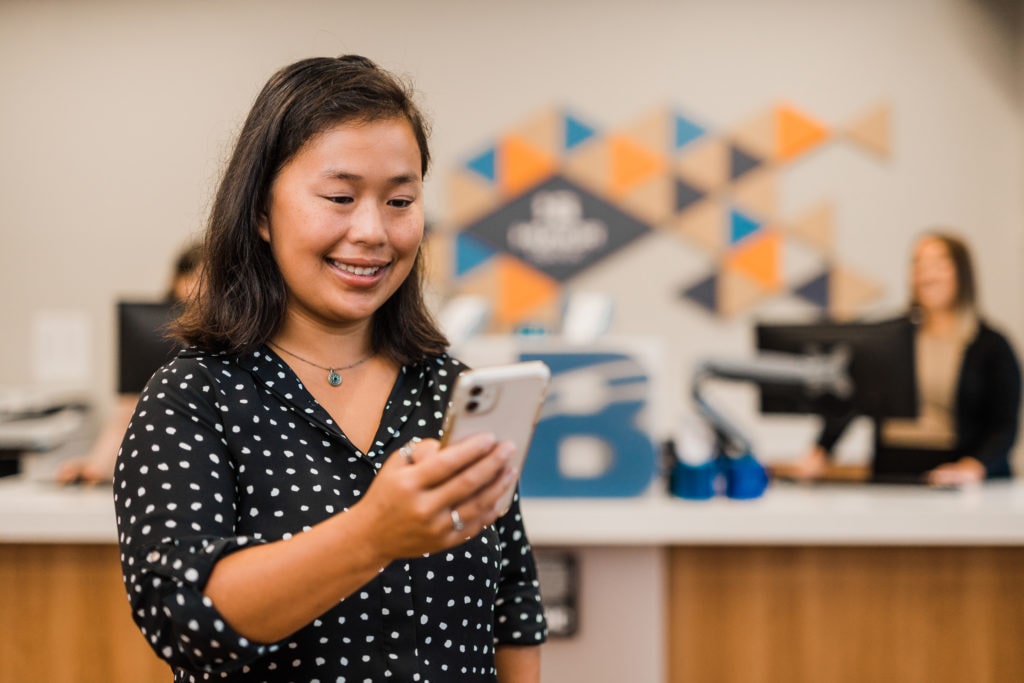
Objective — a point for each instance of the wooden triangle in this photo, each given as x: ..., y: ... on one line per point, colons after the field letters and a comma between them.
x: 871, y: 131
x: 545, y: 132
x: 757, y: 194
x: 817, y: 227
x: 737, y: 293
x: 705, y: 163
x: 651, y: 201
x: 757, y: 135
x: 654, y: 131
x: 470, y: 197
x: 589, y: 166
x: 704, y: 224
x: 850, y: 292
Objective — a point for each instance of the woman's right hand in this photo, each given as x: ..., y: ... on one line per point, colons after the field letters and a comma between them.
x: 809, y: 467
x: 409, y: 507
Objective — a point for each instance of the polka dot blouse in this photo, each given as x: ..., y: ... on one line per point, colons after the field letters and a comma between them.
x: 224, y: 452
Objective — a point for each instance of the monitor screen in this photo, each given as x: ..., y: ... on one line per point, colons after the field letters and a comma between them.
x: 143, y: 342
x: 881, y: 367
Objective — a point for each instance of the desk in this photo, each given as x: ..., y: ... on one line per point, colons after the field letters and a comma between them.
x: 836, y: 583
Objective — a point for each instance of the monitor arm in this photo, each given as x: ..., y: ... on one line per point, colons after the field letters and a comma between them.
x: 817, y: 373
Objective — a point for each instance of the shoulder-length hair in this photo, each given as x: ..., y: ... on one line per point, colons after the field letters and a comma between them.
x: 963, y: 266
x: 242, y: 298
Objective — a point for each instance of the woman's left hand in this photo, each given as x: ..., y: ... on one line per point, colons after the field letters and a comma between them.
x: 964, y: 471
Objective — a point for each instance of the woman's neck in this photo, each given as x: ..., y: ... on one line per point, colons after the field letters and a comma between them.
x: 327, y: 346
x: 942, y: 322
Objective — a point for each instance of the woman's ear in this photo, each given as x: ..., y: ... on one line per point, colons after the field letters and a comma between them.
x: 263, y: 228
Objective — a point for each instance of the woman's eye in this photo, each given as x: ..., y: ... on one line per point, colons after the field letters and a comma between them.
x: 400, y: 203
x: 340, y: 200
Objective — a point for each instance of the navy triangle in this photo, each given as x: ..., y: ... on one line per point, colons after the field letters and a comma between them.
x: 740, y: 162
x: 815, y: 290
x: 704, y: 293
x: 686, y: 195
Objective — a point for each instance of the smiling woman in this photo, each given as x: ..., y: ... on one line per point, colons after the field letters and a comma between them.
x: 268, y: 530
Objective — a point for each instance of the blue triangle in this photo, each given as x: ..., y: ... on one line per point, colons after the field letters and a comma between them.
x: 484, y: 164
x: 741, y: 225
x: 686, y: 131
x: 576, y: 132
x: 470, y: 253
x: 815, y: 290
x: 704, y: 293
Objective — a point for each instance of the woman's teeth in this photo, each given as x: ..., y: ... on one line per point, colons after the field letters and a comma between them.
x: 357, y: 270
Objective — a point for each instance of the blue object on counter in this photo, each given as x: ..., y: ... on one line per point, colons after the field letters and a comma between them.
x: 694, y: 482
x: 745, y: 477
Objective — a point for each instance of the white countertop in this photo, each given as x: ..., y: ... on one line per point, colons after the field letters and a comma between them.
x: 788, y: 514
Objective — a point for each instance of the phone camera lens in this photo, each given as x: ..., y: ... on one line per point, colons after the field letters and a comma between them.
x: 476, y: 391
x: 472, y: 406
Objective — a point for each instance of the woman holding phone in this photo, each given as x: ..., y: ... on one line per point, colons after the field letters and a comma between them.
x: 285, y: 510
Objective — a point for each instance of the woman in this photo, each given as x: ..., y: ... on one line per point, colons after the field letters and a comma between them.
x: 968, y: 383
x: 285, y: 510
x: 98, y: 464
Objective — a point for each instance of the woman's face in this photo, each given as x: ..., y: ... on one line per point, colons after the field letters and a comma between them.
x: 346, y: 220
x: 933, y: 276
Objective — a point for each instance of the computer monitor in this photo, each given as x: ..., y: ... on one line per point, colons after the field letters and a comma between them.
x: 143, y: 342
x: 881, y: 367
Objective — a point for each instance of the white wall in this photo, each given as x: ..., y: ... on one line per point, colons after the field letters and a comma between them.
x: 116, y: 116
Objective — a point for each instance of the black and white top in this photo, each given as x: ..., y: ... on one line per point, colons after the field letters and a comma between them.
x: 224, y: 452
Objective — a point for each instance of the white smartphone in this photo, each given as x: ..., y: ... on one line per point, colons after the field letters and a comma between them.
x: 504, y: 400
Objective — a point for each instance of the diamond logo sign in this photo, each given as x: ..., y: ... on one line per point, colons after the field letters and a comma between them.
x: 558, y: 228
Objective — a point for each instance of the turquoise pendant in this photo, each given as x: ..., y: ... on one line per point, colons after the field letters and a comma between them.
x: 333, y: 378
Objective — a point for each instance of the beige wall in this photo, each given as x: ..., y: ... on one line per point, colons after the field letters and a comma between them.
x: 116, y: 117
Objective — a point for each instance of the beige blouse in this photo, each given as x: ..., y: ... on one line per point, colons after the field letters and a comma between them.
x: 938, y: 358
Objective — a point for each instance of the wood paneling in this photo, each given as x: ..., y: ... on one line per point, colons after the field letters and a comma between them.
x: 838, y: 615
x: 64, y: 618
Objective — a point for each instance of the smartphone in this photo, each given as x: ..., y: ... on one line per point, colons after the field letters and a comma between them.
x: 504, y: 400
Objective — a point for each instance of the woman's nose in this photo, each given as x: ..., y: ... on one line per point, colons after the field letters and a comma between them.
x: 368, y: 224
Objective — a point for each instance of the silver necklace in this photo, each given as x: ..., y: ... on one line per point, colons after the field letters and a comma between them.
x: 333, y: 376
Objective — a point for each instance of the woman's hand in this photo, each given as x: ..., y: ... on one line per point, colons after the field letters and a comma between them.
x: 966, y: 470
x: 429, y: 498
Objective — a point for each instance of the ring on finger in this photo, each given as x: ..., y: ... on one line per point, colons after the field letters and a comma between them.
x: 406, y: 452
x: 457, y: 524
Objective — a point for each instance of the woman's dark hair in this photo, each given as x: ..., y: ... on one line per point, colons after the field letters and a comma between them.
x: 963, y: 266
x: 241, y: 300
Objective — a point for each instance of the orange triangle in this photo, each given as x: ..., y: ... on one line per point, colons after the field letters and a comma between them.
x: 632, y: 164
x: 758, y: 257
x: 871, y: 131
x: 797, y: 132
x: 522, y: 165
x: 521, y: 290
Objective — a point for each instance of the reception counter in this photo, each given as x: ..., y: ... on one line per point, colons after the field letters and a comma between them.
x: 808, y: 583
